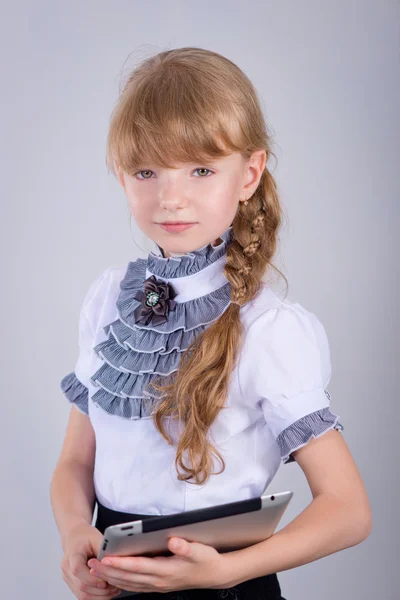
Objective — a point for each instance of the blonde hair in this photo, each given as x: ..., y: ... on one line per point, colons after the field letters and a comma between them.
x: 189, y: 105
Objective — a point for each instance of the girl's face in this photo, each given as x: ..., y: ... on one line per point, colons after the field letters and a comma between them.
x: 205, y: 194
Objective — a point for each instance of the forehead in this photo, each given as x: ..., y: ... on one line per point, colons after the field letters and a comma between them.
x: 232, y: 160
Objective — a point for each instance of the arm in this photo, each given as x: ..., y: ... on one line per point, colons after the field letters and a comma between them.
x: 71, y: 490
x: 338, y: 517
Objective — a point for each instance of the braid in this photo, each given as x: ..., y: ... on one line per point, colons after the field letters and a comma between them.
x: 253, y: 245
x: 200, y: 386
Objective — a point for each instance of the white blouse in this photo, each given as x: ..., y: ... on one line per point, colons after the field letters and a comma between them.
x: 277, y: 398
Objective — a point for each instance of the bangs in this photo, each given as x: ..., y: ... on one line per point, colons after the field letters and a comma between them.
x: 169, y: 118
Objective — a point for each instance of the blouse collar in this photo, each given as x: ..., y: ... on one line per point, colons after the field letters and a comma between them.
x: 195, y: 273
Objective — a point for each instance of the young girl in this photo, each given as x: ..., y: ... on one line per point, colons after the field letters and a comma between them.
x: 194, y: 380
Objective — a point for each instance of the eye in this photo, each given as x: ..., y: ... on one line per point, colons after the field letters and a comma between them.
x: 144, y: 171
x: 203, y: 169
x: 149, y: 171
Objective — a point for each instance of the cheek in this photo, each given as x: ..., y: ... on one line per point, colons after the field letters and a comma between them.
x: 142, y: 216
x: 227, y: 190
x: 143, y: 220
x: 140, y: 207
x: 225, y: 199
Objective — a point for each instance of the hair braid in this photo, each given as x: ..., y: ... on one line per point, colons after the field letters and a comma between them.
x: 201, y: 384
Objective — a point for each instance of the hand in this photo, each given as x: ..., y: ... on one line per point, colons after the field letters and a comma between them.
x: 193, y: 565
x: 82, y: 543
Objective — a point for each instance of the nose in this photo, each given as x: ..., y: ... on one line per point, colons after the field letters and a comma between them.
x: 171, y: 196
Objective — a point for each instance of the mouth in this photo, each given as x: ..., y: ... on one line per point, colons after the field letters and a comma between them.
x: 176, y: 227
x: 176, y: 223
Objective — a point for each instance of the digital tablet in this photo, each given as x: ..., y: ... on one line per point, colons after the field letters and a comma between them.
x: 226, y: 527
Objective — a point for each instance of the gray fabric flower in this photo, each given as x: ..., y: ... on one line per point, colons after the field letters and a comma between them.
x: 156, y: 302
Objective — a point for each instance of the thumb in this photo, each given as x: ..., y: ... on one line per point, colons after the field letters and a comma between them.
x: 77, y: 563
x: 180, y: 547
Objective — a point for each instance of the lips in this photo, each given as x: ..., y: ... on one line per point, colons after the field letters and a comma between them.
x: 177, y: 227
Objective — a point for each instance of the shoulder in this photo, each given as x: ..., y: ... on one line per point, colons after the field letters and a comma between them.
x: 285, y: 339
x: 102, y: 292
x: 286, y: 353
x: 282, y: 318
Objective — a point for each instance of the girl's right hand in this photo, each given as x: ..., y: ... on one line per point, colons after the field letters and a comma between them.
x: 82, y: 544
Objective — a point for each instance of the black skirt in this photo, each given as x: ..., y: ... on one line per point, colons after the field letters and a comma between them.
x: 262, y: 588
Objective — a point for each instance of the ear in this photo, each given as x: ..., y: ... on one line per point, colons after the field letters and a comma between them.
x: 255, y: 166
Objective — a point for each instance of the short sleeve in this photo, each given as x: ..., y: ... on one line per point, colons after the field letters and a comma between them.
x: 293, y: 372
x: 74, y: 385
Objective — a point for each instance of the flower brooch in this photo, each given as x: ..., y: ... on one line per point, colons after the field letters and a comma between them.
x: 156, y: 302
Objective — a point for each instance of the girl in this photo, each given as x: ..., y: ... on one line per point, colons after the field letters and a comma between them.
x: 188, y: 361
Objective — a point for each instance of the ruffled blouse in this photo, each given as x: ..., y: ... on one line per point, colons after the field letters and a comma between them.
x: 134, y: 324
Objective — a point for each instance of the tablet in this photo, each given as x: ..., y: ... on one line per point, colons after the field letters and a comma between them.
x: 226, y: 527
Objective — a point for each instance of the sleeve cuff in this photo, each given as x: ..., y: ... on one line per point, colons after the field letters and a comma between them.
x: 75, y: 392
x: 300, y: 433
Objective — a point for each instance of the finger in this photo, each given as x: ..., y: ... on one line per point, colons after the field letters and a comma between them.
x: 80, y: 570
x: 133, y: 586
x: 78, y: 574
x: 127, y: 580
x: 133, y: 564
x: 96, y: 583
x: 102, y: 592
x: 110, y: 592
x: 77, y: 586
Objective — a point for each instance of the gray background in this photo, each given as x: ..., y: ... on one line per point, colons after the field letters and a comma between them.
x: 327, y: 73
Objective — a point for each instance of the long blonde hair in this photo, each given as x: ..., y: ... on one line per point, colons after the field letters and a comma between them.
x: 189, y: 105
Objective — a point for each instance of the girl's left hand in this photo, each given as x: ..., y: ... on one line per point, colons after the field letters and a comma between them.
x: 193, y: 565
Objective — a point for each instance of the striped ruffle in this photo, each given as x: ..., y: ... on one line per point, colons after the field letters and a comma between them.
x: 135, y: 354
x: 300, y: 433
x: 189, y: 263
x: 75, y: 391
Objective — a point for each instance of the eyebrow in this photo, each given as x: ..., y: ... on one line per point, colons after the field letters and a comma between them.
x: 192, y: 163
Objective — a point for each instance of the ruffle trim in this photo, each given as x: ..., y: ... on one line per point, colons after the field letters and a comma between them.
x: 186, y: 315
x: 300, y: 433
x: 135, y: 354
x: 189, y: 263
x: 76, y: 392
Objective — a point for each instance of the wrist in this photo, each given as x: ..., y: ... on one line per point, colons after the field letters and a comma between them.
x: 227, y: 573
x: 71, y: 529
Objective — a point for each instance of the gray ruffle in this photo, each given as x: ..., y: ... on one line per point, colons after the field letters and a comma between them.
x: 299, y: 433
x: 135, y: 354
x: 191, y: 262
x: 186, y: 315
x: 75, y: 391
